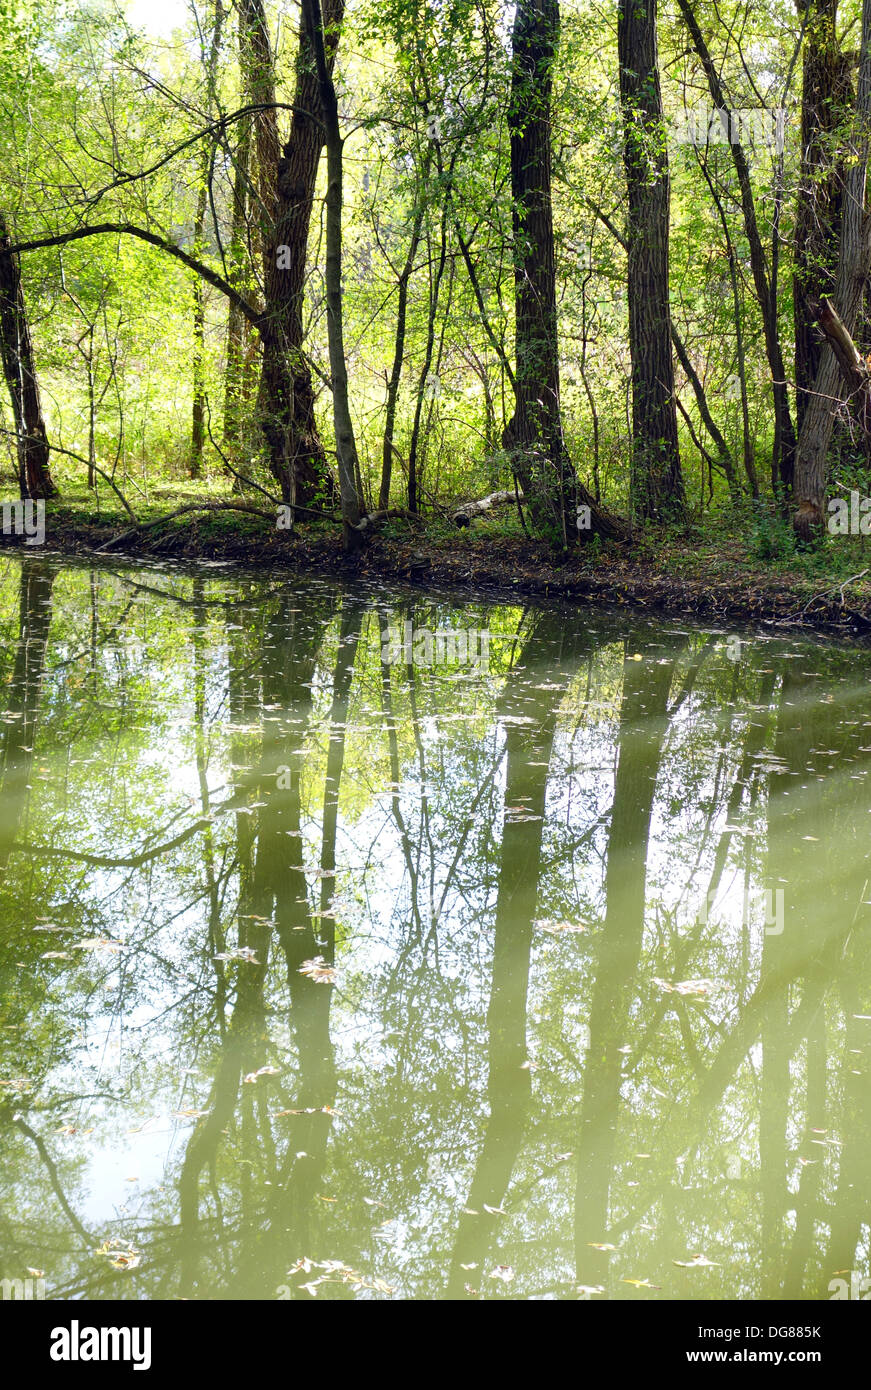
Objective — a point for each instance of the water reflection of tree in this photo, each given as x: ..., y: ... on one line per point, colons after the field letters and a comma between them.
x: 643, y: 724
x: 447, y: 957
x: 528, y: 709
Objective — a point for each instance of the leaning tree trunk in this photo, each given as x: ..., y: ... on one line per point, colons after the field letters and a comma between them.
x: 346, y: 443
x: 825, y: 101
x: 657, y: 482
x: 811, y: 470
x: 537, y: 446
x: 783, y: 453
x: 16, y: 349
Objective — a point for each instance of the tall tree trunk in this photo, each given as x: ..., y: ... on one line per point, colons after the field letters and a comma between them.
x: 854, y: 261
x: 825, y: 102
x: 346, y: 444
x: 16, y: 349
x: 286, y: 178
x: 657, y: 482
x: 535, y: 435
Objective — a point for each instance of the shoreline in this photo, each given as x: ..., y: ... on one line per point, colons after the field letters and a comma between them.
x: 495, y: 568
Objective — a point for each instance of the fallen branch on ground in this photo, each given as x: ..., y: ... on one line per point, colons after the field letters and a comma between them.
x: 245, y: 507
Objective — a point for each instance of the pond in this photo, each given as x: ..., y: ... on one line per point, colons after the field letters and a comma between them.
x: 371, y: 944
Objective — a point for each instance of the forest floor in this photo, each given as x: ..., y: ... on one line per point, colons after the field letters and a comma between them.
x: 742, y: 571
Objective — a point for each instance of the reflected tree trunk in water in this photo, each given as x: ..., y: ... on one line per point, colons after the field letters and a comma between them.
x: 277, y: 887
x: 643, y: 724
x: 22, y: 700
x: 530, y: 717
x: 291, y: 1234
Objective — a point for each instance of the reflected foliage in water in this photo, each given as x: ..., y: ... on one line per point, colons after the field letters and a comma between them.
x: 336, y: 960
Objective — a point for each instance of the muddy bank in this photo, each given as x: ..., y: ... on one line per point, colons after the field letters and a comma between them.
x: 497, y: 567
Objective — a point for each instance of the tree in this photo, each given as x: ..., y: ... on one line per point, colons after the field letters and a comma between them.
x: 783, y: 452
x: 854, y: 264
x: 657, y: 482
x: 198, y: 414
x: 535, y: 435
x: 286, y: 183
x: 346, y: 443
x: 825, y: 104
x: 16, y: 349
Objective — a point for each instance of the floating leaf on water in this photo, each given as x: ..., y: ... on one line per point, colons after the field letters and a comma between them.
x: 241, y: 953
x: 559, y: 928
x: 319, y: 971
x: 686, y: 987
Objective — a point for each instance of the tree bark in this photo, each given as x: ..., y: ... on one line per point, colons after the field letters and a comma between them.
x: 286, y: 177
x: 537, y: 447
x: 825, y: 103
x: 346, y: 444
x: 16, y: 349
x: 854, y: 262
x: 657, y: 482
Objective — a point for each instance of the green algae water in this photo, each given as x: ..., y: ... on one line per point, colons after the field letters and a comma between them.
x: 360, y: 944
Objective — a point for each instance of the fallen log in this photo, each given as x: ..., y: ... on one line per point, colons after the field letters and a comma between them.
x: 392, y: 514
x: 464, y: 516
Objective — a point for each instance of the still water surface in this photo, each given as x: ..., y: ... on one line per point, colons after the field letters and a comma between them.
x: 536, y: 966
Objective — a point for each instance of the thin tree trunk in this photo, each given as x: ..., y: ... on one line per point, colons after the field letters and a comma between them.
x: 398, y: 357
x: 783, y: 454
x: 198, y: 411
x: 749, y: 460
x: 238, y: 330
